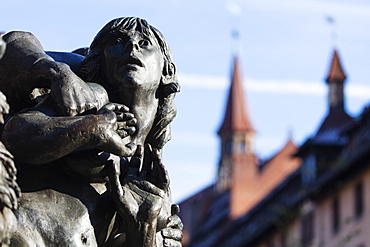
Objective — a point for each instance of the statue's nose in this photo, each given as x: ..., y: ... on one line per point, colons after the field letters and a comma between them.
x: 132, y: 45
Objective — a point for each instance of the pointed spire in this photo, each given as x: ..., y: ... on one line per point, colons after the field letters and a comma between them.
x: 335, y: 80
x: 336, y: 72
x: 236, y: 117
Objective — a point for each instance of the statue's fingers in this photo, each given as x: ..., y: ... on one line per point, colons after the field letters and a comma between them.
x: 135, y: 162
x: 147, y: 163
x: 109, y: 107
x: 122, y: 133
x: 126, y: 131
x: 148, y: 187
x: 79, y: 102
x: 131, y: 130
x: 89, y: 106
x: 68, y: 106
x: 131, y: 122
x: 3, y: 103
x: 91, y: 100
x: 171, y: 243
x: 65, y: 102
x: 127, y: 116
x: 119, y: 116
x: 81, y: 107
x: 121, y: 108
x: 8, y: 163
x: 113, y: 169
x: 126, y: 125
x: 159, y: 174
x: 175, y: 209
x: 72, y: 111
x: 7, y: 199
x: 175, y: 223
x: 174, y: 234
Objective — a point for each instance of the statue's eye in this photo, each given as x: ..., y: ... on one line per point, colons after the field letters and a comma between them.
x: 118, y: 41
x: 144, y: 42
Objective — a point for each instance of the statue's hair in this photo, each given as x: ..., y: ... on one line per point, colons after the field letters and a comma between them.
x: 166, y: 111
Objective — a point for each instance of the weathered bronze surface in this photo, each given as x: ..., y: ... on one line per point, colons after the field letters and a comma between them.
x: 87, y: 135
x: 9, y: 190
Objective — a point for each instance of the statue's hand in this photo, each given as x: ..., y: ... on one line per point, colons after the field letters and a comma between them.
x: 142, y: 188
x: 139, y: 198
x: 172, y: 234
x: 115, y: 123
x: 73, y: 95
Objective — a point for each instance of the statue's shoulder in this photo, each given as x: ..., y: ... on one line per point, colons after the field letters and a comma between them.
x: 72, y: 59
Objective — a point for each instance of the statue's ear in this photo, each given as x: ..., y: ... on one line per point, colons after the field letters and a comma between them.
x: 169, y: 83
x: 169, y: 68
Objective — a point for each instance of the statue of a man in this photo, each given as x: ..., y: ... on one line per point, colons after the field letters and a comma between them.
x: 68, y: 144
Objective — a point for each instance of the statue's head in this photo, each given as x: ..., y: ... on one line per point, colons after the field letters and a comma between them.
x: 128, y: 54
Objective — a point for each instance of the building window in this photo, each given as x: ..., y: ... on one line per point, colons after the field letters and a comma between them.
x: 309, y: 169
x: 336, y: 215
x: 242, y: 147
x: 229, y: 146
x: 307, y: 229
x: 359, y: 200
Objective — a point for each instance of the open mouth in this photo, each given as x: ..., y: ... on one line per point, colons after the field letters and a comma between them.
x: 133, y: 62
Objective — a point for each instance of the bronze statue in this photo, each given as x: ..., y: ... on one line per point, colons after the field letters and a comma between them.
x: 91, y: 148
x: 9, y: 190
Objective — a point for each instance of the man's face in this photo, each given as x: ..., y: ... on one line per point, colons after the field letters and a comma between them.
x: 133, y: 60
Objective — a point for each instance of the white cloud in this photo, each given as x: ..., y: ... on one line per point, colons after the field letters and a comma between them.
x: 201, y: 81
x: 288, y: 87
x: 360, y: 91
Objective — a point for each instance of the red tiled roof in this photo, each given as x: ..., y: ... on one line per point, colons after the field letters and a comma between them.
x: 236, y: 117
x: 336, y: 72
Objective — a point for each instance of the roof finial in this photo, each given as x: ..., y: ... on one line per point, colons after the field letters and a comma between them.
x: 290, y: 133
x: 333, y: 32
x: 236, y: 47
x: 235, y: 11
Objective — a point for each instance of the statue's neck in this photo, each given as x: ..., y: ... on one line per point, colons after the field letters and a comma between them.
x: 143, y: 104
x: 134, y: 97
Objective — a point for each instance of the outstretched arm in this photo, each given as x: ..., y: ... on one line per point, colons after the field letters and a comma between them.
x: 37, y: 137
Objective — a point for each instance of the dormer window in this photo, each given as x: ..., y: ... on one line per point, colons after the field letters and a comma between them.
x: 309, y: 169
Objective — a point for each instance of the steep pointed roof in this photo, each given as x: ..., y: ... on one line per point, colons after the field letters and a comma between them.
x: 336, y: 72
x: 236, y: 116
x: 337, y: 120
x: 337, y: 117
x: 283, y: 159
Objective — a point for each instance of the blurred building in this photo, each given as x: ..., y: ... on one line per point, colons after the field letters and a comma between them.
x: 313, y: 195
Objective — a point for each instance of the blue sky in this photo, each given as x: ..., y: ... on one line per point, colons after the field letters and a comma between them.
x: 285, y: 47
